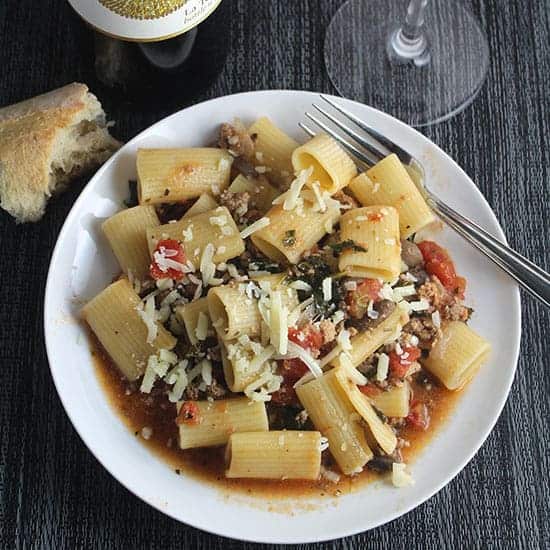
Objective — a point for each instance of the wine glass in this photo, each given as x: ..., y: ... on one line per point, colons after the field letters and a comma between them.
x: 422, y: 65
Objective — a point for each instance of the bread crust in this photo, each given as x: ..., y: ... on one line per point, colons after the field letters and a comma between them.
x: 29, y: 134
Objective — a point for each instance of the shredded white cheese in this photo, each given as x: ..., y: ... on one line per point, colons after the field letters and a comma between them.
x: 382, y: 367
x: 256, y: 226
x: 187, y: 234
x: 321, y: 204
x: 343, y: 339
x: 338, y: 316
x: 330, y: 475
x: 327, y: 289
x: 291, y: 196
x: 401, y: 291
x: 207, y: 266
x: 436, y: 319
x: 400, y: 477
x: 148, y: 315
x: 421, y: 305
x: 201, y: 330
x: 351, y: 372
x: 300, y: 285
x: 297, y: 351
x: 278, y: 323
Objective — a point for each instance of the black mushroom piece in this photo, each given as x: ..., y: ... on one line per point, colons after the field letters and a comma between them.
x: 384, y: 308
x: 410, y: 253
x: 381, y: 463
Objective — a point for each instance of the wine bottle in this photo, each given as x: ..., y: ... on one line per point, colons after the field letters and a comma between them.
x: 156, y: 49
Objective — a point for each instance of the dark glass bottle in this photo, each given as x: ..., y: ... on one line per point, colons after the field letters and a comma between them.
x: 178, y: 67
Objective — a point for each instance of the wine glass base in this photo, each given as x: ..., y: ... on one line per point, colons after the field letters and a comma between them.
x: 420, y: 91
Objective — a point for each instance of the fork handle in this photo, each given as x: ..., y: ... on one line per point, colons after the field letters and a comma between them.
x: 532, y: 278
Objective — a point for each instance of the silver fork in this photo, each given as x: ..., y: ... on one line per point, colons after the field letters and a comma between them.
x: 368, y: 152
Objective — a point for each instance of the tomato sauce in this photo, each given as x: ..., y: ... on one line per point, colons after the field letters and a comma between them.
x: 154, y: 411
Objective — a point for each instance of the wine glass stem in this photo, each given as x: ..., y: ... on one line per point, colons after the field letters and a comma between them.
x: 408, y: 41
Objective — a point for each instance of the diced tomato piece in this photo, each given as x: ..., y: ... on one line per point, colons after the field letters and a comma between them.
x: 370, y: 390
x: 189, y: 413
x: 438, y: 262
x: 419, y: 416
x: 399, y: 364
x: 375, y: 216
x: 307, y: 337
x: 291, y: 370
x: 358, y: 300
x: 172, y: 250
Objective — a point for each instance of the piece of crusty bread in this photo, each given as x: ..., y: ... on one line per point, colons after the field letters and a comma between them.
x: 44, y: 142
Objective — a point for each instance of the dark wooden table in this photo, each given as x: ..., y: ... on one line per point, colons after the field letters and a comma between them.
x: 54, y: 494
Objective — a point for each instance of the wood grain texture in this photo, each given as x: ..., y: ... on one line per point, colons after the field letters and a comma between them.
x: 54, y: 494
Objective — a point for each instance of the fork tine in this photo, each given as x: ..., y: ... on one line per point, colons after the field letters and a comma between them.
x: 369, y: 160
x: 404, y: 157
x: 306, y: 129
x: 352, y: 133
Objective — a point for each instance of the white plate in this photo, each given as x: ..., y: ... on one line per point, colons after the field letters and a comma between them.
x: 82, y: 265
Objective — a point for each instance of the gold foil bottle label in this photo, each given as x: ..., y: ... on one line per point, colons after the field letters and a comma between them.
x: 144, y: 20
x: 146, y: 9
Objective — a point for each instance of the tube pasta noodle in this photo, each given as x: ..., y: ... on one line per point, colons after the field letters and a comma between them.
x: 204, y: 228
x: 260, y: 191
x: 125, y: 232
x: 113, y: 317
x: 274, y: 455
x: 332, y: 413
x: 219, y: 419
x: 273, y: 149
x: 394, y: 402
x: 376, y: 229
x: 168, y: 175
x: 189, y: 315
x: 233, y: 311
x: 274, y: 311
x: 389, y: 183
x: 290, y: 234
x: 332, y: 167
x: 203, y: 204
x: 364, y: 344
x: 457, y: 355
x: 381, y: 432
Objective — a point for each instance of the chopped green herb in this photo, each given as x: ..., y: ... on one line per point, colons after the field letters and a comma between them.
x: 290, y: 238
x: 338, y: 248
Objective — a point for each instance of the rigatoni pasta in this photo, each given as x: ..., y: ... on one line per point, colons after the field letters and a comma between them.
x: 393, y: 402
x: 125, y: 232
x: 216, y: 421
x: 376, y: 254
x: 273, y: 149
x: 114, y: 318
x: 168, y: 175
x: 204, y: 203
x: 389, y: 183
x: 301, y: 343
x: 291, y: 232
x: 196, y: 320
x: 327, y: 404
x: 457, y: 355
x: 332, y: 167
x: 214, y: 227
x: 274, y: 455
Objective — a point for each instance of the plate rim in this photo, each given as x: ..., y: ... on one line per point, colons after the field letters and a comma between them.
x: 515, y: 303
